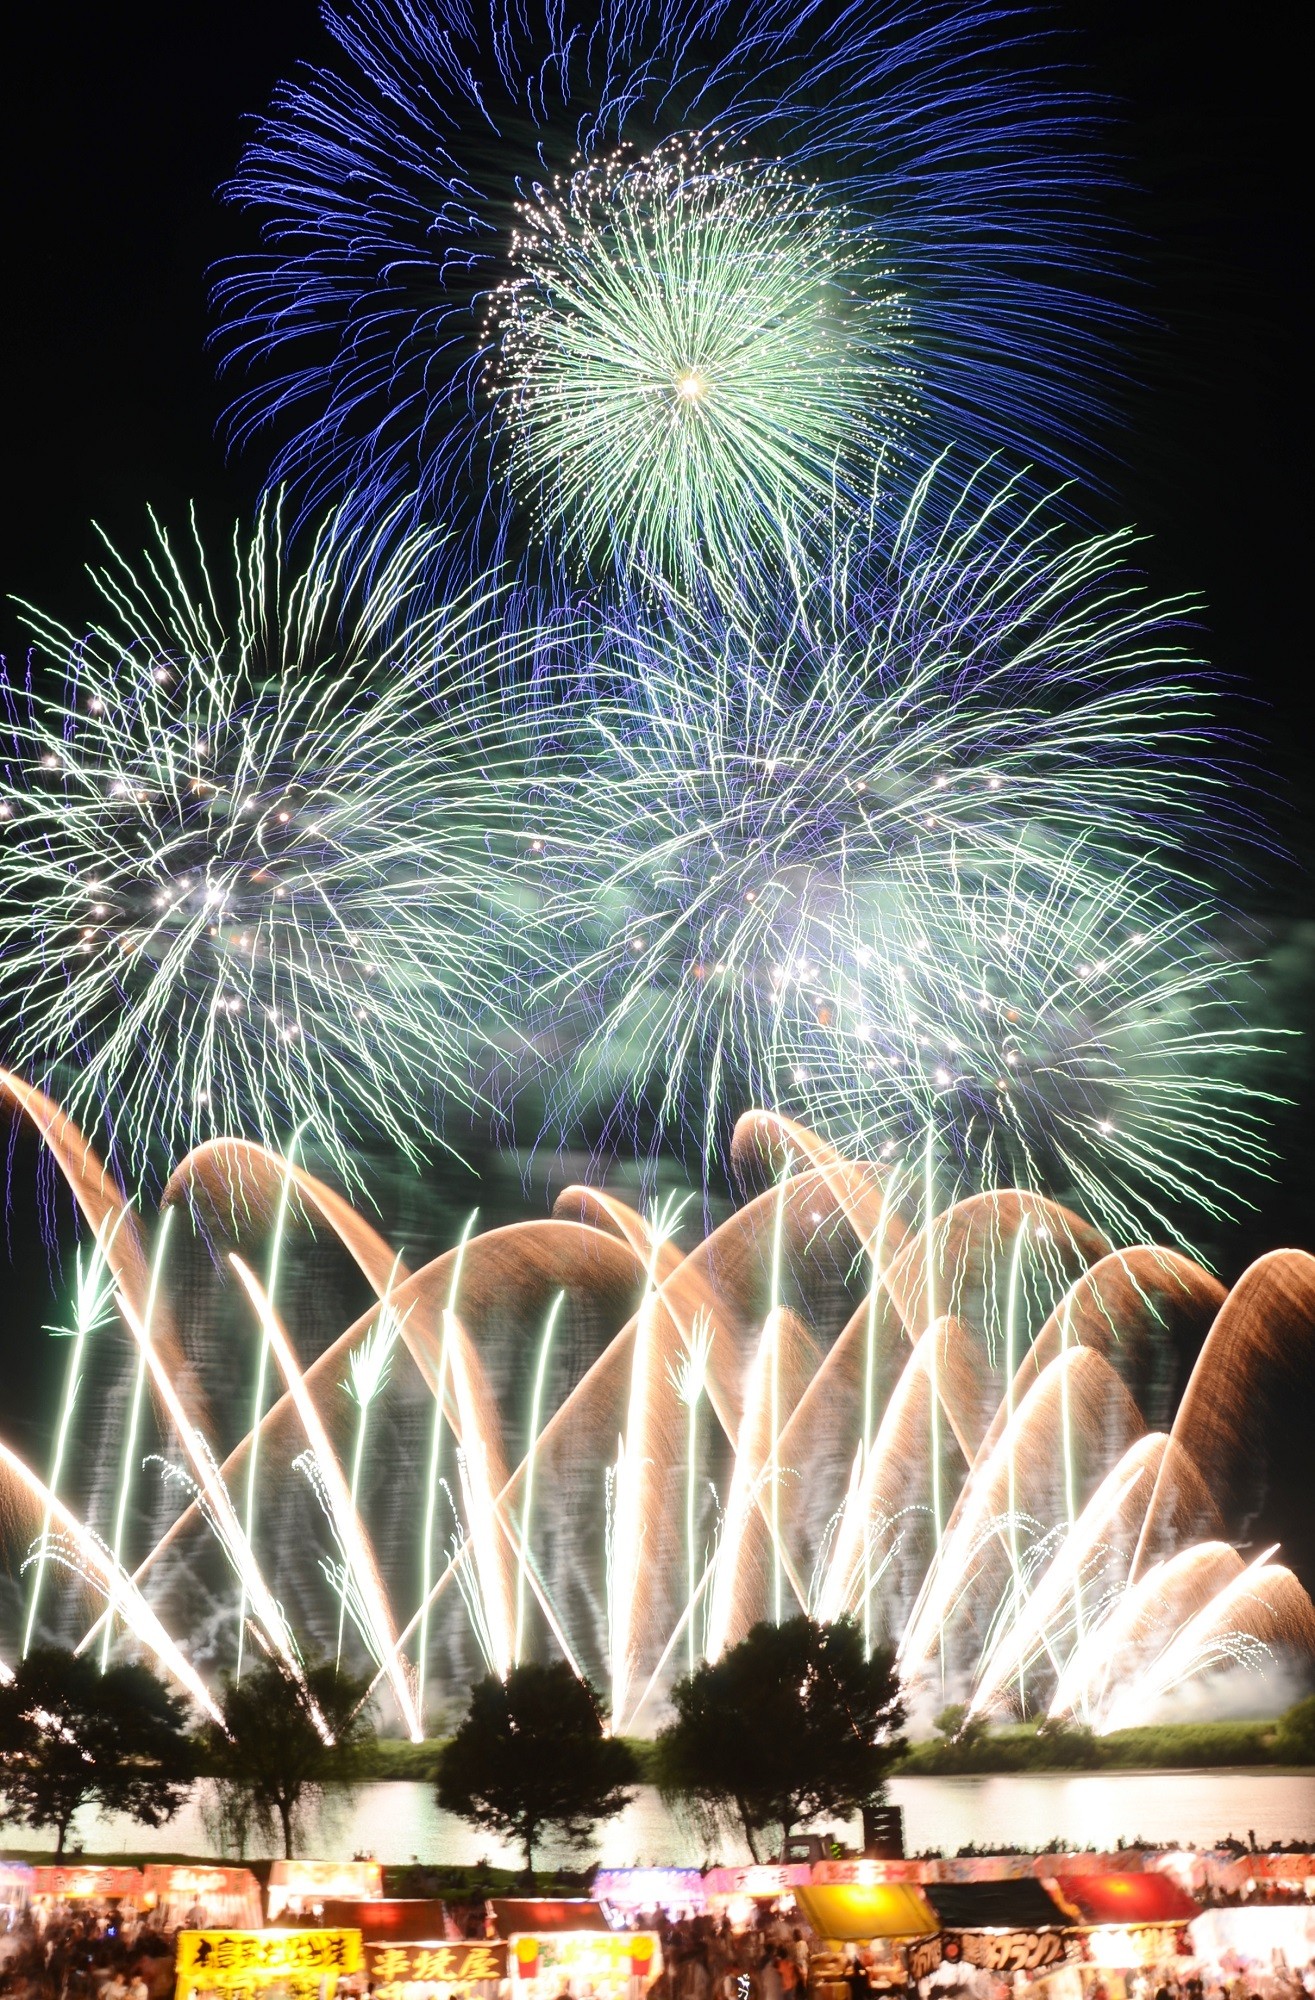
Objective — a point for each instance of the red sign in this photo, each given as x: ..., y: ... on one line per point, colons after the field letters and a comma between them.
x: 390, y: 1965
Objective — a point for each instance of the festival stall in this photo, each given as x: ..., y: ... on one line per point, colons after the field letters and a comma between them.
x: 628, y: 1892
x: 990, y: 1929
x: 296, y: 1887
x: 413, y: 1951
x: 1260, y: 1877
x: 15, y: 1889
x: 557, y: 1948
x: 738, y: 1894
x: 1126, y: 1924
x: 85, y: 1884
x: 470, y: 1969
x: 264, y: 1965
x: 1253, y: 1939
x: 861, y: 1870
x: 391, y: 1919
x: 192, y: 1898
x: 872, y: 1921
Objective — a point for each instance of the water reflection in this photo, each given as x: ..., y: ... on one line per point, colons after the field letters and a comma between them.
x: 400, y: 1821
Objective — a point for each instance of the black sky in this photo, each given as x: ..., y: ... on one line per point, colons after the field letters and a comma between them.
x: 118, y: 121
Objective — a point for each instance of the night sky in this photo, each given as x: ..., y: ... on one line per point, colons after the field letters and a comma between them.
x: 120, y: 120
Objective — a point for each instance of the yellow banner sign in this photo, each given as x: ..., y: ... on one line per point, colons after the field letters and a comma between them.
x: 228, y: 1959
x: 391, y: 1965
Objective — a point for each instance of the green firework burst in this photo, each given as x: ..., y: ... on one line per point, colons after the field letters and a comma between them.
x: 692, y: 345
x: 251, y: 867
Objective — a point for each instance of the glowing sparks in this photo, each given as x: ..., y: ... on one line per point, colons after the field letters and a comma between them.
x: 883, y: 244
x: 862, y: 845
x: 1027, y: 1600
x: 693, y: 345
x: 523, y: 1560
x: 251, y: 874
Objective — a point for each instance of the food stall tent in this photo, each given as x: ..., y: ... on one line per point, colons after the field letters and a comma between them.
x: 627, y: 1892
x: 876, y: 1917
x: 297, y: 1887
x: 413, y: 1950
x: 568, y: 1947
x: 87, y: 1883
x: 264, y: 1965
x: 188, y: 1897
x: 15, y: 1890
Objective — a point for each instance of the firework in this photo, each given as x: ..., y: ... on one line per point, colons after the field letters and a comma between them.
x: 869, y: 851
x: 657, y: 266
x: 523, y: 1558
x: 93, y: 1309
x: 690, y: 347
x: 688, y: 1378
x: 249, y: 869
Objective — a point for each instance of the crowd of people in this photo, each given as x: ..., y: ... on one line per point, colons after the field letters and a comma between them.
x: 88, y: 1954
x: 108, y: 1953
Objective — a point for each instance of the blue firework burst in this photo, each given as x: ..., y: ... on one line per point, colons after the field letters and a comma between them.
x: 481, y: 235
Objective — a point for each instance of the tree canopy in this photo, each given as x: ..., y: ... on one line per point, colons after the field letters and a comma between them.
x: 71, y: 1736
x: 793, y: 1724
x: 1294, y: 1739
x: 274, y: 1762
x: 531, y: 1754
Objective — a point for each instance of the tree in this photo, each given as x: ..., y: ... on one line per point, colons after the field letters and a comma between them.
x: 1294, y: 1739
x: 531, y: 1754
x: 956, y: 1725
x: 281, y: 1744
x: 793, y: 1724
x: 70, y: 1736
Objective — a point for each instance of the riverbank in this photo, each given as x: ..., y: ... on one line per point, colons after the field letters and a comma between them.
x: 1186, y: 1746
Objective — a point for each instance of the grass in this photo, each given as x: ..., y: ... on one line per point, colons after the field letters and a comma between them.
x: 1179, y: 1746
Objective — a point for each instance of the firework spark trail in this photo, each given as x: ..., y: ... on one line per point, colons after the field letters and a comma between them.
x: 1011, y: 1372
x: 347, y: 1526
x: 258, y: 1403
x: 1213, y: 1637
x: 94, y: 1288
x: 845, y: 216
x: 1170, y: 1592
x: 1115, y: 1633
x: 95, y: 1562
x: 1026, y: 1631
x: 254, y: 874
x: 367, y: 1375
x: 528, y: 1501
x: 635, y: 1464
x: 774, y: 1458
x: 485, y: 1581
x: 751, y: 1472
x: 688, y: 1377
x: 432, y: 1479
x: 220, y: 1510
x: 876, y: 1251
x: 865, y: 845
x: 145, y: 1353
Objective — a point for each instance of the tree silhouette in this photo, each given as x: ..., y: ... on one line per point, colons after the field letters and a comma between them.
x: 794, y: 1723
x: 531, y: 1754
x: 273, y: 1757
x: 70, y: 1735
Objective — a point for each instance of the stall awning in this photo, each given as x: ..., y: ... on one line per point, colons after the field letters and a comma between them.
x: 1020, y: 1905
x: 514, y: 1916
x: 389, y: 1919
x: 849, y: 1910
x: 91, y: 1882
x: 1126, y: 1899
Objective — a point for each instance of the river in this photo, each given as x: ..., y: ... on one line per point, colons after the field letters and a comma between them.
x: 397, y: 1822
